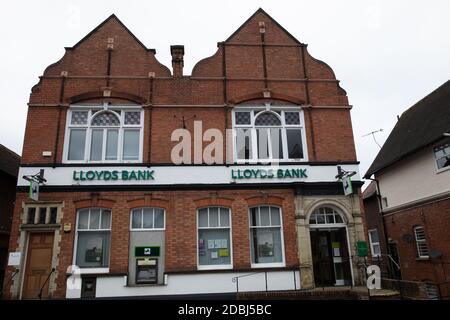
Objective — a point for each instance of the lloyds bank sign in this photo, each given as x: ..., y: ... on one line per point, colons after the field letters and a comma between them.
x: 186, y: 173
x: 113, y: 175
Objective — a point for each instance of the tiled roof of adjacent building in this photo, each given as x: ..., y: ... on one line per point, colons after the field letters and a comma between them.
x: 370, y: 190
x: 419, y: 126
x: 9, y: 161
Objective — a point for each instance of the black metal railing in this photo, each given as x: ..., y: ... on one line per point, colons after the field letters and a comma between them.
x: 236, y: 279
x: 45, y: 282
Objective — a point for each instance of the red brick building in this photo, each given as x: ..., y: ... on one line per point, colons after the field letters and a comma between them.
x: 9, y: 167
x: 104, y: 123
x: 411, y: 218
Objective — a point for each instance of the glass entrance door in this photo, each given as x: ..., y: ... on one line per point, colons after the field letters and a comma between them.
x: 330, y: 257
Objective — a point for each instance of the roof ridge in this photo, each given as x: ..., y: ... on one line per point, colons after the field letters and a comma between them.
x: 9, y: 151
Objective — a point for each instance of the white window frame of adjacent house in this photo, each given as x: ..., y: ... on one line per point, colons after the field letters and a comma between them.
x: 89, y: 128
x: 280, y: 113
x: 374, y: 243
x: 141, y: 209
x: 251, y: 227
x: 92, y: 270
x: 445, y: 147
x: 421, y: 240
x: 219, y: 227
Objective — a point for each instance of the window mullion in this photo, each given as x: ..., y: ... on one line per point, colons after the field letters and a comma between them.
x: 105, y: 133
x: 89, y: 220
x: 269, y: 143
x: 284, y: 143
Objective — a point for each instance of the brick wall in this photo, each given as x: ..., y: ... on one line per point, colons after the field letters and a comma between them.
x: 234, y: 74
x: 181, y: 209
x: 435, y: 218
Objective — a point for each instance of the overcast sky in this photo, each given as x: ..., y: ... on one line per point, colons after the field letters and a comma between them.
x: 387, y: 54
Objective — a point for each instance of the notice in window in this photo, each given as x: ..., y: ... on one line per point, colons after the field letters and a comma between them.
x: 265, y: 245
x: 94, y: 250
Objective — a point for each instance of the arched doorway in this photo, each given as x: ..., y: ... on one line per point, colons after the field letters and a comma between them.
x: 329, y: 246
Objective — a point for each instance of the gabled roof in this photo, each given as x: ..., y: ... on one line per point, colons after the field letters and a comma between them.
x: 111, y: 17
x: 9, y: 161
x: 260, y: 10
x: 419, y: 126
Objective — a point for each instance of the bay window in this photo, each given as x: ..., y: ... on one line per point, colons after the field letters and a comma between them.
x: 214, y: 239
x: 274, y: 134
x: 266, y: 236
x: 104, y: 135
x: 93, y: 238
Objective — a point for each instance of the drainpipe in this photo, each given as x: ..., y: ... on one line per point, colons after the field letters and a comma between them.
x: 380, y: 205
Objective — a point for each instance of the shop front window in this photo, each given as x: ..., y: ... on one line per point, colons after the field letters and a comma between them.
x: 93, y: 238
x: 97, y: 135
x: 266, y: 236
x: 214, y: 239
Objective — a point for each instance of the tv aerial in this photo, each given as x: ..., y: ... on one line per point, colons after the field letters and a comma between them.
x: 373, y: 136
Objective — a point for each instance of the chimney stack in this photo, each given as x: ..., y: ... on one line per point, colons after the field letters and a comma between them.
x: 177, y: 52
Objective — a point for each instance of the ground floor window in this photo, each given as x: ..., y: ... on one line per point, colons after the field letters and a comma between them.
x: 214, y: 240
x: 93, y: 238
x: 266, y: 238
x: 374, y: 243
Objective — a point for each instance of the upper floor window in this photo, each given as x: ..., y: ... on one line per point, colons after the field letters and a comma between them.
x: 421, y: 242
x: 274, y: 134
x: 99, y: 135
x: 442, y: 154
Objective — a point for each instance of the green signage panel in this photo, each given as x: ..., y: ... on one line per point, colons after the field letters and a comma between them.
x: 146, y: 251
x: 361, y: 246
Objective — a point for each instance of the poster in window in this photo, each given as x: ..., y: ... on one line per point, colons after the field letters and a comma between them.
x: 94, y: 250
x: 210, y: 244
x: 224, y: 243
x: 265, y: 245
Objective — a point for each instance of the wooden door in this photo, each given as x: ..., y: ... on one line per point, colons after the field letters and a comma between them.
x: 38, y: 265
x: 322, y: 258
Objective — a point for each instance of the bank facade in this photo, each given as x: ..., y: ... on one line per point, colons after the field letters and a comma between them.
x: 130, y: 200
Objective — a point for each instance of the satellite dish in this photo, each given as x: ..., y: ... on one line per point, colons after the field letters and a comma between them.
x: 435, y: 253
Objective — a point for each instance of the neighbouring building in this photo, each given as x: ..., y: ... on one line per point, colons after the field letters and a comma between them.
x: 107, y: 122
x: 407, y: 206
x: 9, y: 168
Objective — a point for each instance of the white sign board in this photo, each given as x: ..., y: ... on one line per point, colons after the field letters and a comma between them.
x: 188, y: 175
x: 14, y: 259
x: 347, y: 185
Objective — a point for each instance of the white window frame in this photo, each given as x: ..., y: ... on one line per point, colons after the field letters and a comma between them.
x: 215, y: 266
x: 89, y: 128
x: 438, y: 170
x: 254, y: 112
x: 421, y: 241
x: 267, y: 264
x: 372, y: 243
x: 328, y: 225
x: 88, y: 270
x: 142, y: 222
